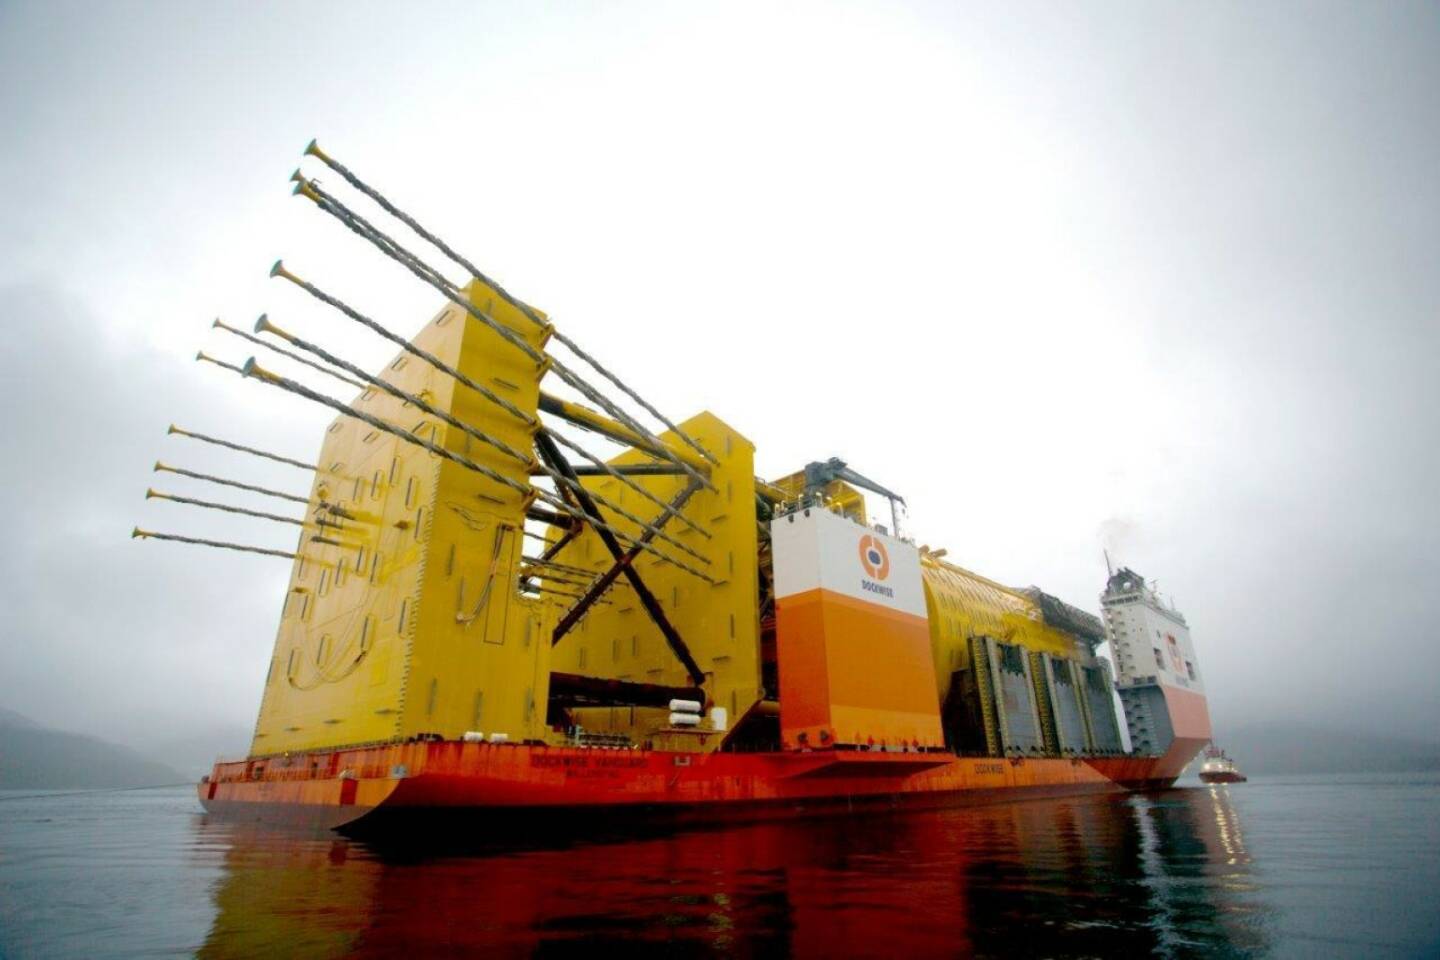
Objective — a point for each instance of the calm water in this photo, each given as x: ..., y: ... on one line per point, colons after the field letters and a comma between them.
x: 1298, y: 867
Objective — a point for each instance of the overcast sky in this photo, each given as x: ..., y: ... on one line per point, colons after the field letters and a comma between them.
x: 1157, y: 278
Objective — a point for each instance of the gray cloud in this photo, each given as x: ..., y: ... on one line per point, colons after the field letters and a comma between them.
x: 103, y: 633
x: 1158, y: 279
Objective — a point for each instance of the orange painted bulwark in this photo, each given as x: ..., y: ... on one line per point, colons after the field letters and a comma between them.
x: 1189, y: 714
x: 854, y: 673
x: 415, y: 782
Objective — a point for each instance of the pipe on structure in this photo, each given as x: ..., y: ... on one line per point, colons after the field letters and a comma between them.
x: 138, y: 534
x: 392, y: 249
x: 201, y: 355
x: 542, y: 562
x: 263, y: 325
x: 575, y: 690
x: 153, y: 494
x: 284, y: 353
x: 235, y: 446
x: 595, y: 364
x: 532, y: 588
x: 313, y: 149
x: 632, y: 438
x: 606, y: 469
x: 278, y: 269
x: 585, y: 418
x: 541, y: 515
x: 630, y: 470
x: 255, y: 371
x: 166, y: 468
x: 395, y: 251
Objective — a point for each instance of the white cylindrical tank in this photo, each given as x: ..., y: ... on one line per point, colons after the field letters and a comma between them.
x: 719, y: 718
x: 685, y: 706
x: 684, y: 719
x: 473, y: 736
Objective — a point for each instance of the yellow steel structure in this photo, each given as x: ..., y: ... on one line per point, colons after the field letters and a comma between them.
x: 405, y: 619
x: 837, y: 495
x: 407, y: 614
x: 408, y: 617
x: 719, y: 621
x: 415, y: 611
x: 962, y: 604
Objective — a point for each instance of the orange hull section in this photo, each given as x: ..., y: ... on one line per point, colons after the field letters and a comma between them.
x: 416, y: 782
x: 1189, y: 714
x: 837, y: 690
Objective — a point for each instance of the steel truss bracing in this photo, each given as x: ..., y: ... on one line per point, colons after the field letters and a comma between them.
x: 550, y: 452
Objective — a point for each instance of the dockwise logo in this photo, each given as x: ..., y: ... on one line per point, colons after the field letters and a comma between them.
x: 873, y: 557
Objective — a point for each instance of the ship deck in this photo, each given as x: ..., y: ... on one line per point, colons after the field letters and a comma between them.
x: 370, y: 787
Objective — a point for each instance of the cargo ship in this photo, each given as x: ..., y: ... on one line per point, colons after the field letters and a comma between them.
x: 487, y: 621
x: 1218, y: 768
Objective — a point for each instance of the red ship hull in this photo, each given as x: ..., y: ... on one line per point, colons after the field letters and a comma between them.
x: 424, y: 782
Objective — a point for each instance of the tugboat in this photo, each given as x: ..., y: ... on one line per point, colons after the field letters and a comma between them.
x: 1219, y: 768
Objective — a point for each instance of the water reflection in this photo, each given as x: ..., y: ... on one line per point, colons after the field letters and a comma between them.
x: 1165, y: 873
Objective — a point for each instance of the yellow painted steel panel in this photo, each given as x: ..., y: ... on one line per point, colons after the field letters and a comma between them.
x: 719, y: 622
x: 411, y: 622
x: 961, y: 605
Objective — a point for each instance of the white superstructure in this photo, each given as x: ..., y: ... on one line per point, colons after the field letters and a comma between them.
x: 1156, y: 673
x: 820, y: 550
x: 1150, y: 640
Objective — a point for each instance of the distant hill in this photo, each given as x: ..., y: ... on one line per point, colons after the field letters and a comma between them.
x: 34, y: 757
x: 1292, y: 748
x: 194, y: 753
x: 9, y: 718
